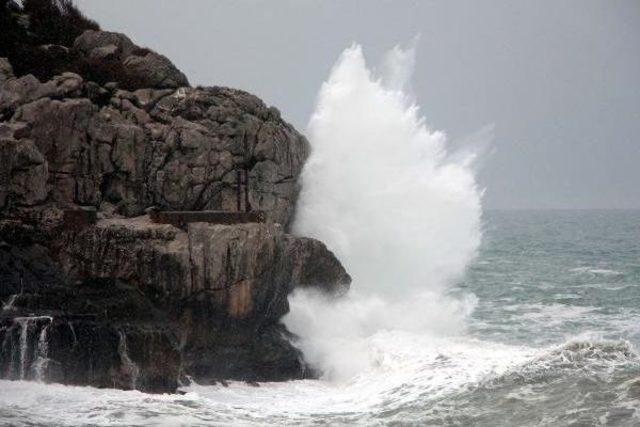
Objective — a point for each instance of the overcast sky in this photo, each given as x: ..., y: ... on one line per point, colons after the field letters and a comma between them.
x: 558, y: 80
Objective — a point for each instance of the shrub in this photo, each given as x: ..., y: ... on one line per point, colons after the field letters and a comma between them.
x: 56, y: 21
x: 36, y: 23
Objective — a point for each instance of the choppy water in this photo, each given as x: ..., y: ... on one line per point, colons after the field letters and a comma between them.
x: 553, y: 340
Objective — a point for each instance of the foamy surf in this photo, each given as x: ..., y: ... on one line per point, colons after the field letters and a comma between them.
x: 441, y: 381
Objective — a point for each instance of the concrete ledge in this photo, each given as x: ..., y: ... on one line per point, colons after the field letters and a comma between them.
x: 180, y: 218
x: 79, y: 218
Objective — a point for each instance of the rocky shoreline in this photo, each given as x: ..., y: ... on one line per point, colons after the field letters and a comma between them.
x: 125, y: 302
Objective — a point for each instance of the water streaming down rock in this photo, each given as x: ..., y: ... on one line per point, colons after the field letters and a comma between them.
x: 42, y: 354
x: 128, y: 367
x: 69, y: 350
x: 25, y: 348
x: 24, y: 344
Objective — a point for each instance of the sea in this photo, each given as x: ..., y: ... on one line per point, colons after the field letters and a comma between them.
x: 552, y: 338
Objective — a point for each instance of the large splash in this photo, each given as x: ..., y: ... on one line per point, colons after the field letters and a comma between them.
x: 400, y: 211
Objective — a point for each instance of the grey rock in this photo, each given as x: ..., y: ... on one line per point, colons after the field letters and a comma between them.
x: 102, y: 53
x: 91, y: 40
x: 175, y: 149
x: 100, y: 333
x: 135, y: 67
x: 155, y: 70
x: 155, y: 257
x: 14, y: 92
x: 23, y: 180
x: 26, y: 89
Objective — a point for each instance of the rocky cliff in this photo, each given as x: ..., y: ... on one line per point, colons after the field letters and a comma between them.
x: 125, y: 302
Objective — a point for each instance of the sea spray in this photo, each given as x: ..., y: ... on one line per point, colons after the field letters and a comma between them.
x: 401, y: 213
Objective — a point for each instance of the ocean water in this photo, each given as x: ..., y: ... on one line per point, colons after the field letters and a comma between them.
x: 552, y: 340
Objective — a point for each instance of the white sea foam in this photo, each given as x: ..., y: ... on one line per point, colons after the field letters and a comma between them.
x: 550, y: 314
x: 410, y: 368
x: 400, y: 212
x: 414, y: 372
x: 596, y: 271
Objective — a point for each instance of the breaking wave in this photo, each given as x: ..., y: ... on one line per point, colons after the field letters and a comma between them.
x: 399, y: 210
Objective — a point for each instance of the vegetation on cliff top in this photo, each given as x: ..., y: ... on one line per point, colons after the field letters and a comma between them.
x: 28, y: 26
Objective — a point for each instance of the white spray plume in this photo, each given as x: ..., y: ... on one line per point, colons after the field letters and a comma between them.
x: 403, y: 217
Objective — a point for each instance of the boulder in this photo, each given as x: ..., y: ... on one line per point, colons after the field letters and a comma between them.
x: 113, y: 56
x: 26, y: 89
x: 154, y: 70
x: 91, y: 40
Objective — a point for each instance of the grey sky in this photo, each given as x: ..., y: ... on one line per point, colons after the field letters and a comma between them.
x: 559, y: 80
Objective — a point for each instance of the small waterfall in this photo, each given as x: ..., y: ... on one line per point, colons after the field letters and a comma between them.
x: 129, y: 368
x: 42, y: 355
x: 24, y: 323
x: 24, y: 357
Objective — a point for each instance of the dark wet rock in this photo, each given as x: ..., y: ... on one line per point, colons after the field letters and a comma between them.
x: 149, y: 302
x: 84, y: 351
x: 227, y: 286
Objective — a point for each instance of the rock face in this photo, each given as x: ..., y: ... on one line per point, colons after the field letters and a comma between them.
x: 80, y: 144
x: 126, y: 302
x: 224, y: 285
x: 244, y: 271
